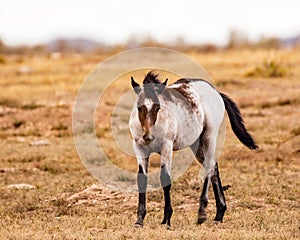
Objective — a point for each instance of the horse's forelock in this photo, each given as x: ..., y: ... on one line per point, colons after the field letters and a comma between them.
x: 151, y: 77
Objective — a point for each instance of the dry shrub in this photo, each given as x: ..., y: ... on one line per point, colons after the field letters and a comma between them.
x: 2, y: 59
x: 269, y: 69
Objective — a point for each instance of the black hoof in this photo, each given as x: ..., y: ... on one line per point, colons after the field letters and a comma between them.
x: 169, y: 227
x: 217, y: 222
x: 167, y: 222
x: 138, y: 225
x: 219, y: 216
x: 218, y: 219
x: 201, y: 219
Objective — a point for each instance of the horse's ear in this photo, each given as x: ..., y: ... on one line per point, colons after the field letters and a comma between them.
x: 162, y: 86
x: 136, y: 87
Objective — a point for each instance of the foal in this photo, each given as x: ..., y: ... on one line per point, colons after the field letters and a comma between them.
x: 187, y: 113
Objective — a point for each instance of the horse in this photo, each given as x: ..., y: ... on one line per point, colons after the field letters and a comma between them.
x: 187, y: 113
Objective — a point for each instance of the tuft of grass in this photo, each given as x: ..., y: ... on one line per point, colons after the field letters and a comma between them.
x: 102, y: 131
x: 51, y: 167
x: 30, y: 158
x: 269, y: 69
x: 124, y: 178
x: 9, y: 103
x: 15, y: 104
x: 31, y: 106
x: 296, y: 131
x: 61, y: 207
x: 2, y: 59
x: 18, y: 123
x: 281, y: 103
x: 59, y: 127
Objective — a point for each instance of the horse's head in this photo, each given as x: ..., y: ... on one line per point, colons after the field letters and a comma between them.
x: 148, y: 103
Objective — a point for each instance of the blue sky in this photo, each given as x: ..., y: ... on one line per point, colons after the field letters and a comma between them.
x: 36, y: 21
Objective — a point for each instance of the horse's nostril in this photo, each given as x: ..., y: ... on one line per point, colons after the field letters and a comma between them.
x: 147, y: 138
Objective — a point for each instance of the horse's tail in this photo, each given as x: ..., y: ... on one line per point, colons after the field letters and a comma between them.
x: 237, y: 123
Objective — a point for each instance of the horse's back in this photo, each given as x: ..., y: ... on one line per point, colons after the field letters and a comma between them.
x: 209, y: 98
x: 199, y: 107
x: 212, y: 98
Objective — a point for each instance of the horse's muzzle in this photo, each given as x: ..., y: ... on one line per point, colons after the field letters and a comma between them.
x: 148, y: 138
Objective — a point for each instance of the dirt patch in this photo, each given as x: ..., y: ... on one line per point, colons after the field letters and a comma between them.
x: 100, y: 196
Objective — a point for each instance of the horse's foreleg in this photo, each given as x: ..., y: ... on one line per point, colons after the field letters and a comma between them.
x: 166, y: 183
x: 165, y: 179
x: 142, y: 180
x: 219, y: 195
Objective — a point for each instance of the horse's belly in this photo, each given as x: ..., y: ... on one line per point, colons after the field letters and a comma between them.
x: 188, y: 133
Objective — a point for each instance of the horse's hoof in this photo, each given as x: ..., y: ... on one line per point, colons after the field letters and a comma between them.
x: 169, y: 227
x: 164, y: 221
x: 138, y: 225
x: 201, y: 220
x: 216, y: 222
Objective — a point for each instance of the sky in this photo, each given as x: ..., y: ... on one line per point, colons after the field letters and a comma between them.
x: 36, y: 21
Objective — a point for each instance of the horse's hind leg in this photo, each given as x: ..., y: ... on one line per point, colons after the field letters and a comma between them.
x: 204, y: 150
x: 219, y: 195
x: 198, y: 149
x: 203, y: 201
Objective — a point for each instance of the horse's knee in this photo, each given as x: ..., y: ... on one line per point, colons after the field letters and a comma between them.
x: 165, y: 178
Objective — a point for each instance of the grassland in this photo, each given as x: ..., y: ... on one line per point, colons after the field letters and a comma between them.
x: 36, y: 101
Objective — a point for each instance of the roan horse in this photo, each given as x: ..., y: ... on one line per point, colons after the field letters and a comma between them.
x: 187, y: 113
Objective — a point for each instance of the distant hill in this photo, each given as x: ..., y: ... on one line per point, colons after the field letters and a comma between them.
x: 86, y: 45
x: 90, y: 46
x: 78, y: 45
x: 290, y: 42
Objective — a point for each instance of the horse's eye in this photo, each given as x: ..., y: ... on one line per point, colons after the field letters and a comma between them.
x: 139, y: 109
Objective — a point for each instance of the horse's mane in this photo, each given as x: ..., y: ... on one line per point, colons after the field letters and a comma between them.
x: 151, y: 77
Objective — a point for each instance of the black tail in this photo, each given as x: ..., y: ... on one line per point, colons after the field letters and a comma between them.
x: 237, y: 123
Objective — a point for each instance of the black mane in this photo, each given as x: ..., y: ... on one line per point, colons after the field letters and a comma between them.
x: 151, y: 77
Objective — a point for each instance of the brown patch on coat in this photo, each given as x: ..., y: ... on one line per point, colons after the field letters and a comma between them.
x: 182, y: 80
x: 183, y: 89
x: 189, y: 80
x: 148, y: 118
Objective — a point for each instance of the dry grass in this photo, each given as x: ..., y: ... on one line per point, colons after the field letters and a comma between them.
x: 36, y: 100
